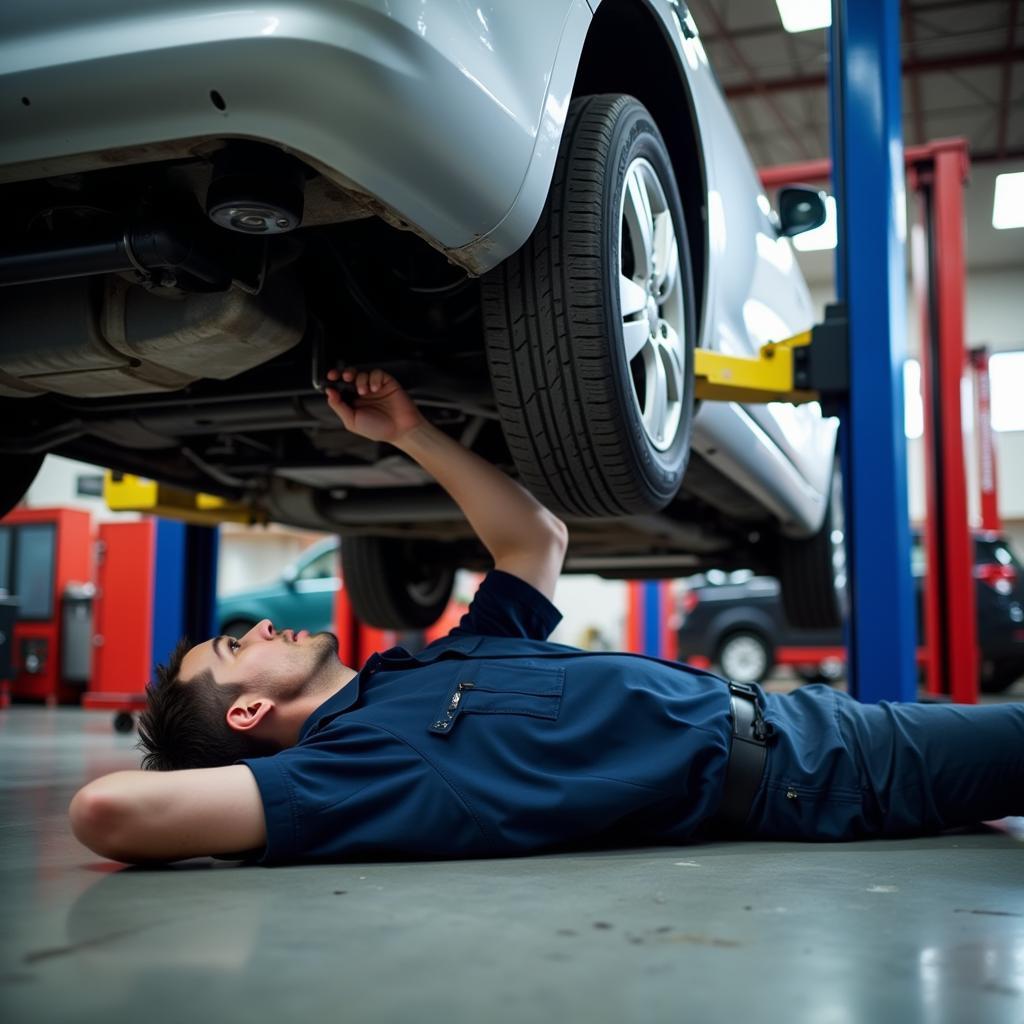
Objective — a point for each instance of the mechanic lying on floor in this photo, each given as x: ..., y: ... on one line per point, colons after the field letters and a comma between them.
x: 492, y: 741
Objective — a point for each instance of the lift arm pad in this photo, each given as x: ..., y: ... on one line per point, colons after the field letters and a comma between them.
x: 823, y: 366
x: 808, y: 367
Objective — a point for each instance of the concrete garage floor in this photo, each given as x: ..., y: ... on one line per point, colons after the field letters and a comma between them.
x: 922, y: 930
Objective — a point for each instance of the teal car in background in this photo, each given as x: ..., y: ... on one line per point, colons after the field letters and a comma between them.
x: 301, y: 598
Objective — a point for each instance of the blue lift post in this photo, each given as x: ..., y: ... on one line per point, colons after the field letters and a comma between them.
x: 653, y: 633
x: 184, y: 584
x: 868, y: 176
x: 202, y: 545
x: 169, y: 589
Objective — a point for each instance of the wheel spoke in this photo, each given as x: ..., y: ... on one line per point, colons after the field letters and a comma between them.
x: 637, y: 210
x: 669, y: 341
x: 657, y: 407
x: 632, y: 297
x: 666, y: 255
x: 635, y: 334
x: 673, y: 375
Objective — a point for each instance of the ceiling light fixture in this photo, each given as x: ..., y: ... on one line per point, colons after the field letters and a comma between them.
x: 803, y: 15
x: 1008, y: 205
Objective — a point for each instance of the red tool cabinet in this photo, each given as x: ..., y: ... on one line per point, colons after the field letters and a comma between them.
x: 42, y: 551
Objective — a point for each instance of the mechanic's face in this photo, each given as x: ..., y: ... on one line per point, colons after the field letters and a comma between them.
x: 278, y: 665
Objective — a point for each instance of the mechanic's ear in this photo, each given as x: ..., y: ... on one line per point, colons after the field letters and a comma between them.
x: 244, y: 715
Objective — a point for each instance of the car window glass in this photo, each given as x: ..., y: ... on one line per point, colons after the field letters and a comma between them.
x: 321, y: 568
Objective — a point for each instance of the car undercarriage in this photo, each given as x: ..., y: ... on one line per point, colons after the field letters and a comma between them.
x: 138, y: 335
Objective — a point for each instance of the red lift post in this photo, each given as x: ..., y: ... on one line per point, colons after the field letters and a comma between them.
x: 985, y: 446
x: 937, y: 176
x: 937, y: 172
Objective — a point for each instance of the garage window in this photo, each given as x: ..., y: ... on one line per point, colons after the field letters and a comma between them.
x: 1006, y: 372
x: 1006, y: 376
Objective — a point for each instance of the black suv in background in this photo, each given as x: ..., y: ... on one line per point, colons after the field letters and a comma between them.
x: 736, y: 620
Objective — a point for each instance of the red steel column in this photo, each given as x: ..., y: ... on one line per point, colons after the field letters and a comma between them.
x: 346, y: 629
x: 987, y: 482
x: 931, y: 617
x: 938, y: 250
x: 634, y: 616
x: 670, y: 620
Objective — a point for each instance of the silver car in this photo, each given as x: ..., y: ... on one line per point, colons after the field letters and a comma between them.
x: 529, y: 212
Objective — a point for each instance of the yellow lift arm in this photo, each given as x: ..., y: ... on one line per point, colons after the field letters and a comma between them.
x: 809, y: 367
x: 768, y: 377
x: 124, y: 492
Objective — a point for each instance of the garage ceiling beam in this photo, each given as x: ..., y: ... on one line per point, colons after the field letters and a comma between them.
x: 916, y: 109
x: 1004, y: 92
x: 774, y: 28
x: 755, y: 85
x: 928, y: 65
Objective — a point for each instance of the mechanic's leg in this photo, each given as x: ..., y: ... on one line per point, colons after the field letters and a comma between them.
x: 927, y: 767
x: 838, y: 769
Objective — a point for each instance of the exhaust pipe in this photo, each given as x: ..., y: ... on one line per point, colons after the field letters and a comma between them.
x: 190, y: 253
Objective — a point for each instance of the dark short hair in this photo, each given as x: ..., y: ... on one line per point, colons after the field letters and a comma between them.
x: 184, y: 723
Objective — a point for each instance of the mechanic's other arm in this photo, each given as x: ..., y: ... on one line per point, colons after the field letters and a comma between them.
x: 146, y: 816
x: 523, y: 537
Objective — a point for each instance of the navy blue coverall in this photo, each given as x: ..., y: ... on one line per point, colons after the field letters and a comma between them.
x: 494, y: 742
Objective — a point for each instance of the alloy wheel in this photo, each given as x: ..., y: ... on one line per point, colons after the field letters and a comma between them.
x: 651, y: 299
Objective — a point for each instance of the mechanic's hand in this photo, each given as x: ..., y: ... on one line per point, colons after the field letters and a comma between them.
x: 382, y: 411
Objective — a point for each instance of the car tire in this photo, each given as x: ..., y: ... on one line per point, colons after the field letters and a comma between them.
x: 590, y: 326
x: 236, y: 628
x: 812, y: 571
x: 744, y: 657
x: 396, y: 584
x: 19, y: 472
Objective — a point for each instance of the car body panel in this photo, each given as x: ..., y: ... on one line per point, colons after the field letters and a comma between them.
x: 372, y: 107
x: 730, y: 438
x: 756, y: 292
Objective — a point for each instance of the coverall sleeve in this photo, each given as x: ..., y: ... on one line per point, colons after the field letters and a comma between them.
x: 505, y: 605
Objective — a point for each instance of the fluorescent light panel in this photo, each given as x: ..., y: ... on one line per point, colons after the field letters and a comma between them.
x: 803, y: 15
x: 1006, y: 375
x: 1008, y: 205
x: 824, y: 237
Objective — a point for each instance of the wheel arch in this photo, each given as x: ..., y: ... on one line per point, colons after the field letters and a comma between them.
x: 636, y: 26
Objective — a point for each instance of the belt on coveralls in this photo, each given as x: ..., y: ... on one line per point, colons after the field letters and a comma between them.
x: 747, y: 754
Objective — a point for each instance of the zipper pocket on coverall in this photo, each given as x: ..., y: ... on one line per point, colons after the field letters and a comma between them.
x: 502, y: 690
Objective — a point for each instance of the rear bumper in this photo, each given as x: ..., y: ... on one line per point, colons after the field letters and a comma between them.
x: 392, y: 100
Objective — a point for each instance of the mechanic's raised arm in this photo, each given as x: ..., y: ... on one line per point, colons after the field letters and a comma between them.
x: 523, y: 537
